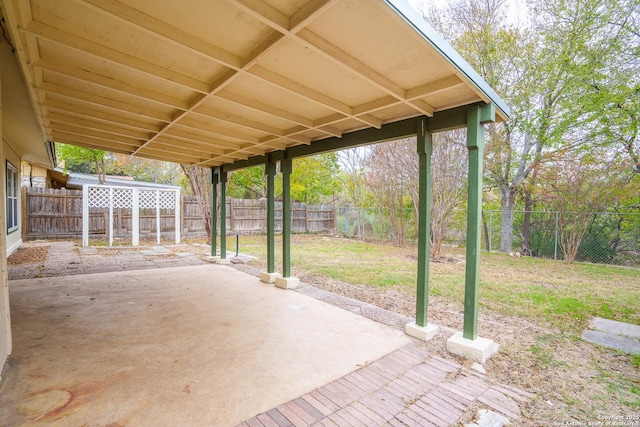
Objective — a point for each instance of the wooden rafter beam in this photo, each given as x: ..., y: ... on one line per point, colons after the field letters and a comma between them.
x: 106, y: 53
x: 102, y: 102
x: 58, y: 121
x: 166, y: 31
x: 185, y: 133
x: 84, y: 139
x: 109, y: 83
x: 99, y: 116
x: 60, y: 139
x: 276, y: 112
x: 191, y: 147
x: 105, y: 136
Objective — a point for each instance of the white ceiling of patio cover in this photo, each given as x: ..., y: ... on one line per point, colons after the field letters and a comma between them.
x: 208, y: 82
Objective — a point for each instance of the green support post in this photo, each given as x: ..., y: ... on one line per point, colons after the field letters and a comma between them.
x: 223, y: 214
x: 425, y: 149
x: 270, y: 170
x: 285, y: 168
x: 475, y: 144
x: 214, y: 210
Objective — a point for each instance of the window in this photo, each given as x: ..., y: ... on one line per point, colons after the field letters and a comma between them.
x: 12, y: 198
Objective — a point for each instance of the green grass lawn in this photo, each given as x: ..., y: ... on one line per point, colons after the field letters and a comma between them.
x: 554, y: 292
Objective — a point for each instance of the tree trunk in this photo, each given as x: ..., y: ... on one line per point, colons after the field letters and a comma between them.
x: 200, y: 183
x: 508, y: 206
x: 528, y: 207
x: 102, y: 173
x: 526, y: 224
x: 485, y: 227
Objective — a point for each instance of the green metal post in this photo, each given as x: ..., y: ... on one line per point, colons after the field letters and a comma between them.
x: 425, y: 149
x: 285, y: 168
x: 223, y: 214
x: 270, y: 170
x: 475, y: 144
x: 214, y: 211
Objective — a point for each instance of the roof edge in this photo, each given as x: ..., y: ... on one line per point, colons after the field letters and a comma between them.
x: 413, y: 18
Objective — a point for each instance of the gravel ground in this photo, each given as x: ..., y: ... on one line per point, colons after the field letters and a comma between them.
x: 55, y: 258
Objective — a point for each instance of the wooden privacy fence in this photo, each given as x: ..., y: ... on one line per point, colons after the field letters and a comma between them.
x: 50, y: 214
x: 250, y: 215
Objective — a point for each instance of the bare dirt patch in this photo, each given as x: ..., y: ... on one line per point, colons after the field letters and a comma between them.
x: 29, y: 255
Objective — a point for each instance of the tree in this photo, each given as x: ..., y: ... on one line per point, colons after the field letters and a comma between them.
x: 576, y: 187
x: 200, y: 186
x: 146, y: 170
x: 448, y: 188
x: 80, y: 159
x: 388, y: 178
x: 616, y: 92
x: 352, y: 177
x: 546, y: 73
x: 393, y: 178
x: 249, y: 183
x: 314, y: 178
x: 504, y: 56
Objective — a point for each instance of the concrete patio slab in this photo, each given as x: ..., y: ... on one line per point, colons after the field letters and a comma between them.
x: 199, y: 345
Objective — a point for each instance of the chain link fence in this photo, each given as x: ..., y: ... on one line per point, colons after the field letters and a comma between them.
x: 609, y: 237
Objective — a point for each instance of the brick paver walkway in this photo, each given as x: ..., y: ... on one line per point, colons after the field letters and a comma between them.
x: 408, y: 387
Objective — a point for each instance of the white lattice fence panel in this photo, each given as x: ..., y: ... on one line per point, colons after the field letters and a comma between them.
x: 98, y: 197
x: 129, y: 198
x: 122, y: 198
x: 147, y: 199
x: 167, y: 200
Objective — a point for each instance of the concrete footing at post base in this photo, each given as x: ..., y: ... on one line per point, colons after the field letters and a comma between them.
x: 424, y: 333
x: 269, y: 277
x: 480, y: 349
x: 287, y: 282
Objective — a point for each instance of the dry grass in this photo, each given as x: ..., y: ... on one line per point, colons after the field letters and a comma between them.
x: 536, y: 309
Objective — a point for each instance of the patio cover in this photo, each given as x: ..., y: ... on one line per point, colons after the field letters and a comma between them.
x: 208, y: 83
x: 236, y: 83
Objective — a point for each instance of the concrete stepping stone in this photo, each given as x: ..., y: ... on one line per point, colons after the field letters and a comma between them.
x: 613, y: 334
x: 615, y: 327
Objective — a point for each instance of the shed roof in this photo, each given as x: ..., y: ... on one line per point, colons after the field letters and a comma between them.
x: 76, y: 180
x: 209, y: 83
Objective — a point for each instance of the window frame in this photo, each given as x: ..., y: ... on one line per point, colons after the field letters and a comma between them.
x: 11, y: 199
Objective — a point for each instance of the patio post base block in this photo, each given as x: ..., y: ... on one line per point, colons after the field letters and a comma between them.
x: 479, y: 350
x: 424, y: 333
x: 287, y: 282
x: 269, y: 277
